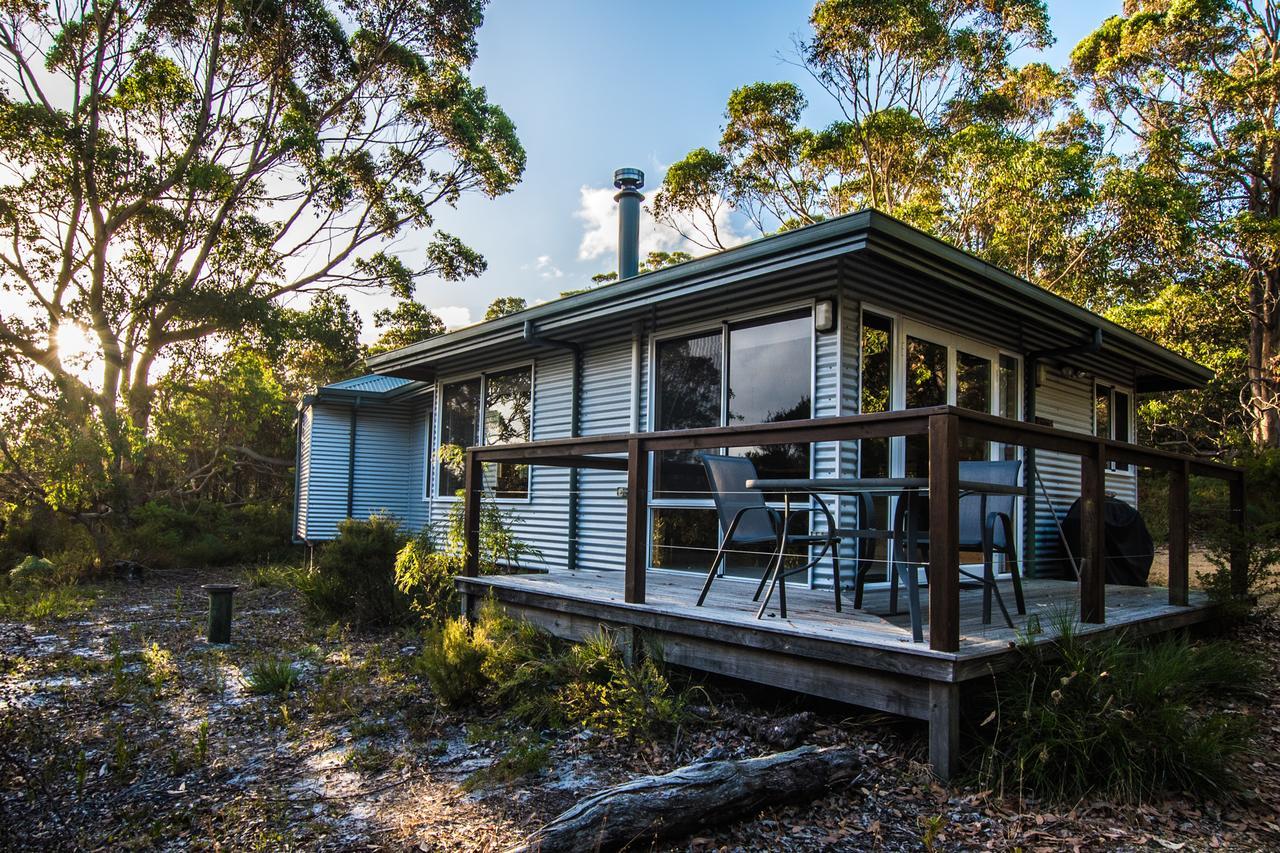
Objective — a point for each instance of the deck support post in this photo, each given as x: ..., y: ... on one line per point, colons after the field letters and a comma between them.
x: 1239, y: 555
x: 944, y: 533
x: 637, y: 521
x: 1179, y: 543
x: 472, y: 484
x: 1093, y: 571
x: 944, y: 728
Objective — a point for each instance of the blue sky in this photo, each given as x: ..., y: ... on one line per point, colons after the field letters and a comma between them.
x: 594, y: 86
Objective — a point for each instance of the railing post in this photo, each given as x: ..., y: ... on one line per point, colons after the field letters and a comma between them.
x: 473, y: 482
x: 1179, y: 543
x: 944, y: 533
x: 1093, y: 571
x: 637, y: 521
x: 1239, y: 554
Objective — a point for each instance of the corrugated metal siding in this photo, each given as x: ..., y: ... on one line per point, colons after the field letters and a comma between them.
x: 826, y: 403
x: 606, y: 408
x: 850, y: 404
x: 1069, y: 404
x: 327, y: 471
x: 382, y: 462
x: 303, y: 474
x: 417, y: 498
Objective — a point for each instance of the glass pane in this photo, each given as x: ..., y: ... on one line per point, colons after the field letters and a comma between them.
x: 873, y: 453
x: 1102, y: 412
x: 1010, y: 397
x: 507, y: 421
x: 973, y: 391
x: 686, y: 539
x: 459, y: 428
x: 689, y: 378
x: 770, y: 374
x: 926, y: 386
x: 1121, y: 417
x: 877, y: 334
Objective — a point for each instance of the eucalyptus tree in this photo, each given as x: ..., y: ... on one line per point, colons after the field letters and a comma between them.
x: 176, y: 170
x: 937, y: 126
x: 1192, y: 87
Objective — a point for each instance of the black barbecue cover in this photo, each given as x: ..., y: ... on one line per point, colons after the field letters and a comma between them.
x: 1129, y: 549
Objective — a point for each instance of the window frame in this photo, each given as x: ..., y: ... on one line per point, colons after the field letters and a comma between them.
x: 437, y: 422
x: 723, y: 325
x: 1131, y: 412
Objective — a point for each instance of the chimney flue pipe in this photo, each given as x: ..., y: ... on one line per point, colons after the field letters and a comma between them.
x: 628, y: 182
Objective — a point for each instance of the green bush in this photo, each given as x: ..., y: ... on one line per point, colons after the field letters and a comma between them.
x: 33, y: 571
x: 424, y: 574
x: 271, y: 676
x: 1112, y: 717
x: 510, y: 666
x: 205, y: 533
x: 354, y: 581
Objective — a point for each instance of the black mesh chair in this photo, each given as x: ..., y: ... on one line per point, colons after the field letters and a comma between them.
x: 985, y: 524
x: 747, y: 520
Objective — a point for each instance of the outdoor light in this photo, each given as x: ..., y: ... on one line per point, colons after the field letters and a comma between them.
x: 824, y: 315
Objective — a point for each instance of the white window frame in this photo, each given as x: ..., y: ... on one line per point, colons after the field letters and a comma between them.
x: 438, y: 415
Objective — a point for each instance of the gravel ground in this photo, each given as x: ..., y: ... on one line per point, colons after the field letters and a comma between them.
x: 121, y: 729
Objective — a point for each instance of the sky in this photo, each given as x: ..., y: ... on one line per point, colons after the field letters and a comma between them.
x: 594, y: 86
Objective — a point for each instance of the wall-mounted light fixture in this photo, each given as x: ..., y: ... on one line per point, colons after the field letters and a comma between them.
x: 824, y: 315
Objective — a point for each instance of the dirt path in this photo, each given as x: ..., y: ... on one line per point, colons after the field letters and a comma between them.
x: 121, y: 728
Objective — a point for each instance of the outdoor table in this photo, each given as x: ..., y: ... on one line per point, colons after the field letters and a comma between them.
x: 906, y: 525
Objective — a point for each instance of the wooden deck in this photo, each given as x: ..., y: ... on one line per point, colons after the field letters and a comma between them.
x: 863, y: 657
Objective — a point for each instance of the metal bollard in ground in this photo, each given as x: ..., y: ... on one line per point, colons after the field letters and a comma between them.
x: 220, y: 611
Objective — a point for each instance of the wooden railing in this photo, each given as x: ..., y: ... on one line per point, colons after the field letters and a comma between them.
x: 945, y: 426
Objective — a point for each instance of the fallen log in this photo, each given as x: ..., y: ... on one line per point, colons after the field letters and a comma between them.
x: 691, y: 797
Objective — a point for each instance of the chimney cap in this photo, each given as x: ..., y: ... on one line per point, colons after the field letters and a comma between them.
x: 628, y: 179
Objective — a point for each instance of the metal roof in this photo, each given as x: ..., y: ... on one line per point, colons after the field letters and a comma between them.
x: 372, y: 387
x: 948, y: 269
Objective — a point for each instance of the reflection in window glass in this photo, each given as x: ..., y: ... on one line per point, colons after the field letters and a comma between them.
x: 926, y: 386
x: 459, y: 428
x: 506, y: 421
x: 1010, y: 395
x: 688, y: 396
x: 973, y: 391
x: 1102, y: 411
x: 769, y: 381
x: 1121, y: 417
x: 873, y: 453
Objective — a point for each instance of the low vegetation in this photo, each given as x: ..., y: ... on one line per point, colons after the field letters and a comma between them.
x: 509, y: 667
x: 1117, y: 718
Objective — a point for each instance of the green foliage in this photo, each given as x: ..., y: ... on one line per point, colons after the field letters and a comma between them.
x: 354, y: 580
x: 526, y: 756
x: 407, y: 323
x: 506, y: 664
x: 1112, y: 717
x: 271, y: 677
x: 32, y: 571
x: 207, y: 533
x: 504, y: 305
x: 36, y: 604
x: 159, y: 666
x: 425, y: 575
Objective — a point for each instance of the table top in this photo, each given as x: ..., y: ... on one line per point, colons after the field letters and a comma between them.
x: 889, y: 485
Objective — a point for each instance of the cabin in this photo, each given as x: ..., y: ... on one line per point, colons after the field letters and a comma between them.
x: 857, y: 347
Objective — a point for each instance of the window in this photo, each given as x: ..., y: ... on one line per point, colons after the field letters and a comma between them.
x: 1010, y: 394
x: 490, y: 409
x: 1112, y: 417
x: 757, y: 371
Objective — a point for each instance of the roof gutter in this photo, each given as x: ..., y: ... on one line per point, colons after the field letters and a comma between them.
x: 532, y: 338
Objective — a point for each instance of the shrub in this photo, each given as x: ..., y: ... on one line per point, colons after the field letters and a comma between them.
x: 1111, y: 717
x: 206, y: 533
x: 32, y: 571
x: 605, y: 691
x: 271, y: 676
x: 509, y: 665
x: 354, y: 578
x: 424, y: 574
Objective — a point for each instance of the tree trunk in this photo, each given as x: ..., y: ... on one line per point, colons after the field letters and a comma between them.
x: 1264, y: 358
x: 698, y: 795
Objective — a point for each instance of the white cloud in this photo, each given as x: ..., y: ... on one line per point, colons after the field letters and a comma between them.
x: 454, y: 316
x: 546, y: 269
x: 598, y: 213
